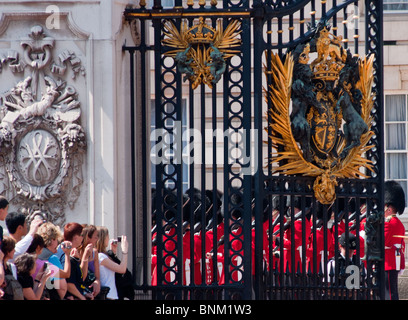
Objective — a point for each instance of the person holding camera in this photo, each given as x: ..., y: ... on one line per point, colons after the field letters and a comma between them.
x: 108, y: 267
x: 17, y: 226
x: 52, y: 235
x: 26, y: 266
x: 79, y: 263
x: 4, y: 204
x: 12, y: 289
x: 90, y: 237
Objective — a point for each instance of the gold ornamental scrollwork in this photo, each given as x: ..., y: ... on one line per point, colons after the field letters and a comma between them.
x: 201, y: 51
x: 320, y: 118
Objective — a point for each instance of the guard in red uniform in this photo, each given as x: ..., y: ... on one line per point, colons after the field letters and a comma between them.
x: 211, y: 251
x: 214, y: 226
x: 394, y: 232
x: 316, y: 247
x: 299, y: 246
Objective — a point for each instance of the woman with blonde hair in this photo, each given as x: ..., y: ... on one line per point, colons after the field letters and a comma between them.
x: 52, y: 236
x: 108, y: 267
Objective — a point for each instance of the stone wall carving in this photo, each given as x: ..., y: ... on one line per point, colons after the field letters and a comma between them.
x: 42, y: 142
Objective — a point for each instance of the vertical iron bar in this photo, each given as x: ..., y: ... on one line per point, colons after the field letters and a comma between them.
x: 258, y: 158
x: 133, y: 160
x: 345, y: 28
x: 145, y: 127
x: 159, y: 167
x: 203, y: 173
x: 356, y: 19
x: 374, y: 9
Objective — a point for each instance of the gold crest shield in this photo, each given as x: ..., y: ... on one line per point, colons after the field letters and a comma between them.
x: 320, y: 116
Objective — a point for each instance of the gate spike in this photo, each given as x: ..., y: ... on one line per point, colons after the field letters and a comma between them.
x: 363, y: 274
x: 287, y: 273
x: 309, y: 271
x: 331, y: 275
x: 298, y: 272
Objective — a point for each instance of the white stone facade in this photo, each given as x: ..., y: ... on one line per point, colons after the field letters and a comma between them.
x: 85, y: 39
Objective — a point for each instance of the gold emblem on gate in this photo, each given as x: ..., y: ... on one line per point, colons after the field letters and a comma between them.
x: 201, y: 50
x: 321, y: 112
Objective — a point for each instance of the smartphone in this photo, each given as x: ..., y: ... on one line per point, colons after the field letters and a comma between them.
x: 45, y: 266
x: 119, y: 239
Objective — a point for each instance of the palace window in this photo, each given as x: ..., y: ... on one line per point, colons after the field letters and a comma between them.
x: 170, y: 153
x: 166, y: 4
x: 395, y: 5
x: 396, y: 150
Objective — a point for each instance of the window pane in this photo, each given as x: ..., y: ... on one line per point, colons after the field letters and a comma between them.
x: 152, y: 113
x: 396, y: 166
x: 395, y: 137
x: 404, y: 186
x: 395, y: 107
x: 395, y: 5
x: 165, y: 3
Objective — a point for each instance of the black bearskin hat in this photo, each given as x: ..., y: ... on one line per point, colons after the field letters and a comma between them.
x: 394, y: 195
x: 352, y: 241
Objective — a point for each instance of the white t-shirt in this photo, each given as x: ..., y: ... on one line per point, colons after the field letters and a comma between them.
x: 22, y: 246
x: 107, y: 277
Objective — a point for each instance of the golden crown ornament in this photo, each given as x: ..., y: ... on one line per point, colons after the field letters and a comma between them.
x: 201, y: 51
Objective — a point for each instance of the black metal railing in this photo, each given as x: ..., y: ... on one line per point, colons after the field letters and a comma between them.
x: 217, y: 225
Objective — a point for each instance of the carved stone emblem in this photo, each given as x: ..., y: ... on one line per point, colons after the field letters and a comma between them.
x: 41, y: 139
x: 38, y: 157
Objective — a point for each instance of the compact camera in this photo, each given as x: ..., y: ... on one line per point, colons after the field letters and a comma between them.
x: 65, y: 245
x: 118, y: 239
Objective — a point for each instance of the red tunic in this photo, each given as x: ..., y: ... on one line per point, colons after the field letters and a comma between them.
x: 394, y: 227
x: 236, y: 253
x: 298, y: 226
x: 209, y: 238
x: 319, y: 250
x: 154, y: 262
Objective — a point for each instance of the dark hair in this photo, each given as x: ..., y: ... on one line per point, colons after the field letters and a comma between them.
x: 37, y: 241
x: 71, y: 229
x: 25, y: 263
x: 7, y: 245
x: 13, y: 220
x: 3, y: 202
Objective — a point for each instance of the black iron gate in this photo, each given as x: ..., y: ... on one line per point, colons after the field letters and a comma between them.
x: 218, y: 223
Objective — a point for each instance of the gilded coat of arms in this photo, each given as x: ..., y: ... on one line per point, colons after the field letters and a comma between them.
x: 201, y: 51
x: 321, y: 113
